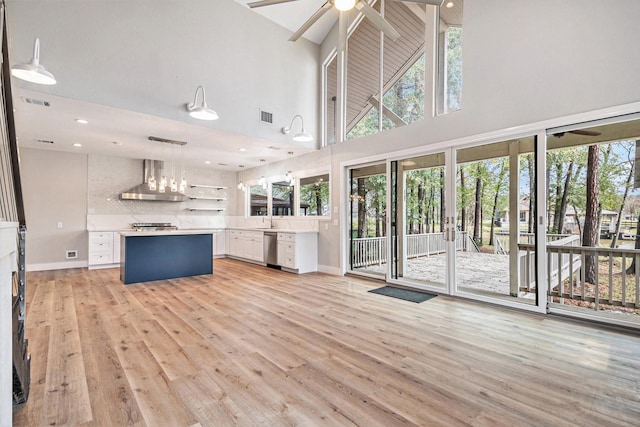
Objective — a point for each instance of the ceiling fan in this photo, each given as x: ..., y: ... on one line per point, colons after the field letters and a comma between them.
x: 345, y: 6
x: 578, y: 132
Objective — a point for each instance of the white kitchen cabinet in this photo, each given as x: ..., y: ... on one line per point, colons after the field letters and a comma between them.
x: 104, y: 249
x: 236, y: 243
x: 219, y: 243
x: 298, y: 252
x: 255, y: 245
x: 246, y: 244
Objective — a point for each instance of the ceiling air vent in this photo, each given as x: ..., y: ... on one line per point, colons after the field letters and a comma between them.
x: 44, y: 141
x: 266, y: 117
x: 35, y: 101
x: 273, y: 147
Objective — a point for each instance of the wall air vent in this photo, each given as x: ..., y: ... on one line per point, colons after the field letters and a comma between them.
x: 44, y: 141
x: 35, y: 101
x: 266, y: 117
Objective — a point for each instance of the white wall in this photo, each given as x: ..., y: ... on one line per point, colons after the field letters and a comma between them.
x: 55, y: 191
x: 150, y: 55
x: 524, y: 62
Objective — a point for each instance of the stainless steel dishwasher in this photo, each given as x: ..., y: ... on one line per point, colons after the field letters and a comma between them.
x: 270, y: 243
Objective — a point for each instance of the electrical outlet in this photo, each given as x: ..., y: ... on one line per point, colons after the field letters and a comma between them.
x: 59, y: 225
x: 335, y: 222
x: 335, y: 209
x: 326, y: 226
x: 91, y: 211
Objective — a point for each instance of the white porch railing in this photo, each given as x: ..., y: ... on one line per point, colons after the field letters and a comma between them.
x: 373, y: 250
x: 558, y: 268
x: 566, y: 275
x: 368, y: 251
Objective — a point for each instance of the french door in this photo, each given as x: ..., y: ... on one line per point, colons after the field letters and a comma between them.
x: 462, y: 222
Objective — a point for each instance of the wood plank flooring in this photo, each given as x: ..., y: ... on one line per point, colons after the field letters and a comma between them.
x: 255, y: 346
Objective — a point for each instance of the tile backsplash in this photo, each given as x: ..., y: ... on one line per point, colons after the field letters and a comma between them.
x: 109, y: 176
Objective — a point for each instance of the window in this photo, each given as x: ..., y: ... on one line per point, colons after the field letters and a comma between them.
x: 330, y: 98
x: 385, y: 83
x: 258, y: 200
x: 450, y: 59
x: 404, y: 101
x: 314, y: 196
x: 363, y: 79
x: 282, y: 198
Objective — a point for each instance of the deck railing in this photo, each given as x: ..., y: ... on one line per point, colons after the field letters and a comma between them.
x: 558, y: 268
x: 368, y: 251
x: 502, y: 240
x: 612, y: 285
x: 373, y: 250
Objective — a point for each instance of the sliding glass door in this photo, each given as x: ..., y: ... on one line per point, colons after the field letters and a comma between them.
x: 420, y: 224
x: 495, y: 219
x: 462, y: 221
x: 368, y: 220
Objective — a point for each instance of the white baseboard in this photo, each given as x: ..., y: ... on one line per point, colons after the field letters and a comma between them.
x: 56, y: 265
x: 329, y: 270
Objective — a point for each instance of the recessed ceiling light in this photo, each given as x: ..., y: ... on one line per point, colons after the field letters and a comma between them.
x: 82, y: 121
x: 77, y: 144
x: 243, y: 149
x: 207, y: 162
x: 449, y: 5
x: 240, y: 166
x: 116, y: 142
x: 223, y: 164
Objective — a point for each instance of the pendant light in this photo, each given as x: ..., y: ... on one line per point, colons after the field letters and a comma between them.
x: 34, y: 72
x: 201, y: 111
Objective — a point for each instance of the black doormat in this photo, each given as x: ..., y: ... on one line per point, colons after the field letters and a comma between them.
x: 405, y: 294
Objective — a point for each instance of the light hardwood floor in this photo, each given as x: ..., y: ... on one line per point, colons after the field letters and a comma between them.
x: 255, y: 346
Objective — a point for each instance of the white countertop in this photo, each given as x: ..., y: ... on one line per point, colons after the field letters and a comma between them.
x: 273, y: 230
x: 132, y: 233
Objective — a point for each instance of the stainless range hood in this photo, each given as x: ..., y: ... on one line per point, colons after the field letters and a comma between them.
x: 142, y: 192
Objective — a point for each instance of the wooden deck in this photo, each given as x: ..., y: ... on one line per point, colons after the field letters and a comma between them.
x: 256, y: 346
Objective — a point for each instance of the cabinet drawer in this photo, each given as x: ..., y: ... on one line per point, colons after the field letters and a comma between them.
x: 286, y: 237
x: 289, y: 261
x: 105, y: 258
x: 101, y: 247
x: 95, y: 237
x: 289, y: 248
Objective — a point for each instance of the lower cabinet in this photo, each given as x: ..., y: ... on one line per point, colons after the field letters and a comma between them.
x: 246, y: 244
x: 298, y: 252
x: 219, y: 243
x: 104, y: 249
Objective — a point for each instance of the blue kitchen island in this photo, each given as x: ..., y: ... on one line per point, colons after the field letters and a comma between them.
x: 159, y: 255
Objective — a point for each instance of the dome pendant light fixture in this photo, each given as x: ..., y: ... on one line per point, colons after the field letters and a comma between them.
x: 34, y: 72
x: 201, y: 111
x: 298, y: 137
x: 344, y: 5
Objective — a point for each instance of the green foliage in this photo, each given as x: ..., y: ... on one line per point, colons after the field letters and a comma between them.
x: 310, y: 194
x: 454, y: 68
x: 405, y: 99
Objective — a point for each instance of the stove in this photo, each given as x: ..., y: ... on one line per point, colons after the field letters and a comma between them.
x: 153, y: 226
